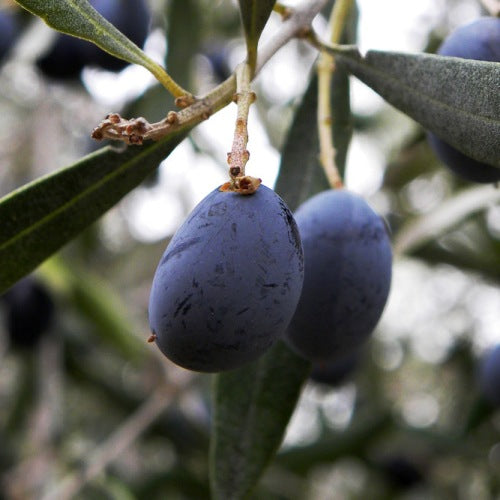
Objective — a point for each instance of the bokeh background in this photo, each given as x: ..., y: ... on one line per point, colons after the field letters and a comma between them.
x: 90, y: 410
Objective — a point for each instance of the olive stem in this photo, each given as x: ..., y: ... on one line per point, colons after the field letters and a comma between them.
x: 239, y: 155
x: 183, y: 97
x: 325, y: 69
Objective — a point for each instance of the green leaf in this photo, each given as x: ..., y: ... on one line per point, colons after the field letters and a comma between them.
x: 252, y: 407
x: 301, y: 175
x: 457, y: 99
x: 42, y: 216
x: 342, y: 120
x: 254, y: 15
x: 182, y: 43
x: 99, y: 305
x: 80, y: 19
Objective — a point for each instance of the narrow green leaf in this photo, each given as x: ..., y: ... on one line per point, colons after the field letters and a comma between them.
x: 252, y: 407
x: 301, y: 175
x: 182, y: 43
x: 99, y: 305
x: 80, y: 19
x: 342, y: 120
x: 457, y: 99
x: 254, y: 15
x: 39, y: 218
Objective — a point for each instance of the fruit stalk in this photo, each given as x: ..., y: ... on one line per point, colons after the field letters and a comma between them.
x: 325, y: 68
x: 239, y: 155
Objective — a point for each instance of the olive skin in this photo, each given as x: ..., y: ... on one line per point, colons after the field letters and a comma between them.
x: 336, y: 372
x: 479, y: 40
x: 489, y: 376
x: 228, y: 282
x: 348, y: 261
x: 9, y: 30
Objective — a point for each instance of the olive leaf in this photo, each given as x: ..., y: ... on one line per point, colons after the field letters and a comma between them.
x: 252, y: 407
x: 183, y: 44
x: 300, y: 174
x: 254, y: 15
x: 457, y: 99
x: 98, y: 304
x: 39, y: 218
x: 80, y: 19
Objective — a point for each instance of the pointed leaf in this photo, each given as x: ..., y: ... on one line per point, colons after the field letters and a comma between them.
x: 182, y: 43
x: 39, y: 218
x: 252, y: 407
x: 80, y: 19
x: 254, y: 15
x: 99, y: 305
x: 457, y: 99
x: 301, y: 175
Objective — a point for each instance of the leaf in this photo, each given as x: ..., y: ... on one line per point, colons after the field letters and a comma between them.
x: 80, y: 19
x: 300, y: 174
x: 252, y: 407
x: 98, y: 304
x: 342, y: 120
x: 39, y: 218
x: 254, y: 15
x: 457, y: 99
x: 182, y: 43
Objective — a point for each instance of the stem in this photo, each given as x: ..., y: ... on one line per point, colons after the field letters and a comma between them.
x: 299, y: 20
x: 239, y: 155
x: 166, y: 80
x: 244, y: 98
x: 492, y: 6
x: 284, y: 11
x: 325, y: 68
x: 117, y: 443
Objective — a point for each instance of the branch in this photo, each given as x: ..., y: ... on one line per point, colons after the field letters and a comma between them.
x: 118, y: 442
x: 137, y: 130
x: 298, y: 22
x: 492, y: 6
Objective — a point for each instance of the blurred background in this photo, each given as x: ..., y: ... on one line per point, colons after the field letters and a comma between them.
x: 89, y: 410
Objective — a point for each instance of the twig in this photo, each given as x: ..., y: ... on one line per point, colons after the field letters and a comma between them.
x: 325, y: 68
x: 135, y: 131
x: 118, y: 442
x: 299, y: 21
